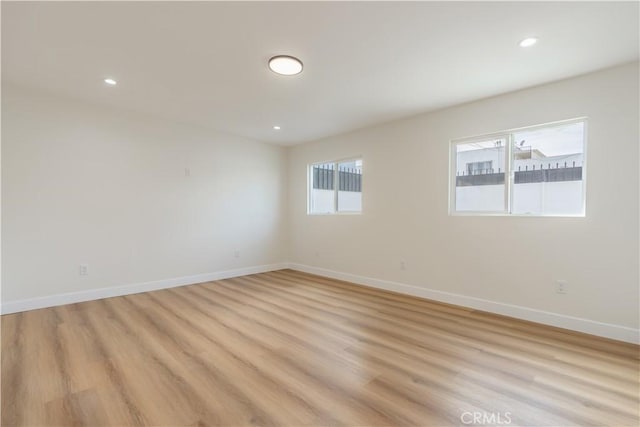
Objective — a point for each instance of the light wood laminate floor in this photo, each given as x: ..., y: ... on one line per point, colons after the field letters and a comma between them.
x: 291, y: 349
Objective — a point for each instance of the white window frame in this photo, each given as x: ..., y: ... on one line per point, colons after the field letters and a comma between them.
x: 510, y: 173
x: 335, y: 187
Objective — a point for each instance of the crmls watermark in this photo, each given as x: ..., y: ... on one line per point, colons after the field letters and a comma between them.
x: 481, y: 418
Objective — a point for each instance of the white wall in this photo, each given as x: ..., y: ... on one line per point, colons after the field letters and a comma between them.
x: 83, y: 184
x: 552, y: 198
x: 480, y: 198
x: 510, y: 260
x: 323, y: 201
x: 549, y: 198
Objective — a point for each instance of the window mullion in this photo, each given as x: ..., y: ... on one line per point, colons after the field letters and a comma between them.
x: 508, y: 173
x: 336, y: 184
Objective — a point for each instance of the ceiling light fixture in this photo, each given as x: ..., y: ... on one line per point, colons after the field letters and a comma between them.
x: 285, y: 65
x: 276, y: 128
x: 529, y: 41
x: 110, y: 82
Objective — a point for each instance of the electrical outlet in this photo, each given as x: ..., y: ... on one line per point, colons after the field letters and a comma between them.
x: 562, y: 287
x: 236, y: 254
x: 187, y: 172
x: 403, y: 265
x: 83, y: 270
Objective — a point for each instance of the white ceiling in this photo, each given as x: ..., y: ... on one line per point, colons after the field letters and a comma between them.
x: 206, y: 63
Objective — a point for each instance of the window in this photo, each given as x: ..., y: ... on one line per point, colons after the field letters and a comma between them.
x: 335, y: 187
x: 538, y: 170
x: 480, y: 188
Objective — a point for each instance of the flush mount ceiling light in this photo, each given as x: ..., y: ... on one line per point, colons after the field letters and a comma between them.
x: 285, y: 65
x: 529, y: 41
x: 110, y: 82
x: 276, y: 127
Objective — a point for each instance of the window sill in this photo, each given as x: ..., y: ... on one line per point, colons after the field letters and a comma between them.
x: 479, y: 214
x: 333, y: 213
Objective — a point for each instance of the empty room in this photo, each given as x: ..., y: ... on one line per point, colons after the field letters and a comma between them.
x: 310, y: 214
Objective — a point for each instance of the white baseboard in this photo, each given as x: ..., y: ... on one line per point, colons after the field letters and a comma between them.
x: 617, y: 332
x: 607, y: 330
x: 94, y: 294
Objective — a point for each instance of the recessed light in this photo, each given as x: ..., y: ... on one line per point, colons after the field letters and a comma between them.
x: 110, y: 82
x: 285, y: 65
x: 276, y: 128
x: 529, y: 41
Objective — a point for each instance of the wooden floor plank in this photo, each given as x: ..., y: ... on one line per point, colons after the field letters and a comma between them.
x: 287, y: 348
